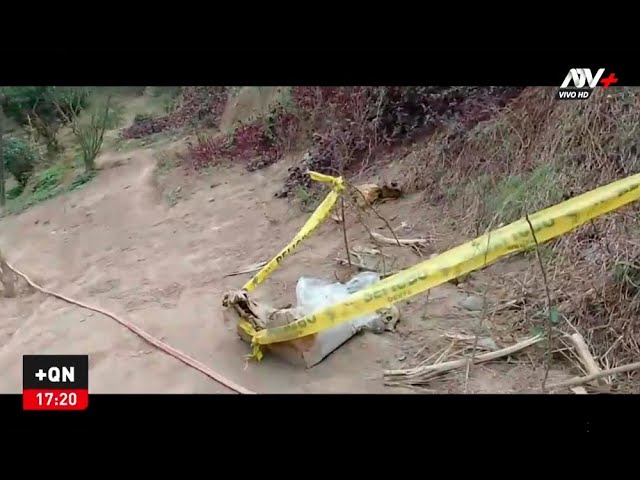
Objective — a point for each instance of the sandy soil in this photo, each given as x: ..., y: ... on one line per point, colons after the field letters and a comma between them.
x: 155, y: 250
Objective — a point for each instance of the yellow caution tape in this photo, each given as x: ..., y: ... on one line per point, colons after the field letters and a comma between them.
x: 256, y: 350
x: 547, y: 224
x: 314, y: 221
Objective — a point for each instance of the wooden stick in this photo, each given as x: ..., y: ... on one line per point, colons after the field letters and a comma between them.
x: 585, y: 355
x: 452, y: 365
x: 250, y: 269
x: 602, y: 373
x: 344, y: 231
x: 364, y: 268
x: 401, y: 241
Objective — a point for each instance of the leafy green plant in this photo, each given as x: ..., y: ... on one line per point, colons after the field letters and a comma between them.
x: 308, y: 200
x: 19, y: 102
x: 627, y: 274
x: 42, y: 109
x: 15, y: 192
x: 19, y: 159
x: 142, y: 117
x: 81, y: 180
x: 114, y: 115
x: 48, y: 179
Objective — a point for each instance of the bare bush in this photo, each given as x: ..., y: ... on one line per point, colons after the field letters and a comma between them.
x: 7, y: 278
x: 89, y: 133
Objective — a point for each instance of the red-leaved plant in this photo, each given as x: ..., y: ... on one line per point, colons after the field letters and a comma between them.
x: 346, y: 127
x: 202, y: 106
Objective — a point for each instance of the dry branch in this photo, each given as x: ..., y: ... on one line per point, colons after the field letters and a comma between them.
x: 419, y: 375
x: 364, y: 268
x: 250, y: 269
x: 582, y: 350
x: 407, y: 242
x: 603, y: 373
x: 344, y: 231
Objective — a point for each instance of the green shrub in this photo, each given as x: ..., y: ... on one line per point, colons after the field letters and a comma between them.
x: 21, y: 102
x: 48, y: 179
x: 512, y: 197
x: 82, y: 179
x: 141, y: 118
x: 19, y: 159
x: 15, y: 192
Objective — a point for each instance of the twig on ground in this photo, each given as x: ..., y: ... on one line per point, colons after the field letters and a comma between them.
x: 589, y: 378
x: 548, y: 293
x: 507, y: 305
x: 570, y: 358
x: 407, y: 242
x: 584, y: 354
x: 250, y: 269
x: 344, y: 231
x: 613, y: 345
x: 365, y: 268
x: 579, y: 390
x: 485, y: 306
x: 445, y: 354
x: 419, y: 375
x: 422, y: 349
x: 440, y: 354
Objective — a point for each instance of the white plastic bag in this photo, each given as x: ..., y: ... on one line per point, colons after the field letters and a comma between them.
x: 314, y: 294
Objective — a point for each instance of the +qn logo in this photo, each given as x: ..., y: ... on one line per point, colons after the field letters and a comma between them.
x: 55, y: 374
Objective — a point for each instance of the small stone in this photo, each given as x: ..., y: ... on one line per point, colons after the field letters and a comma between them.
x: 212, y: 200
x: 377, y: 326
x: 472, y: 303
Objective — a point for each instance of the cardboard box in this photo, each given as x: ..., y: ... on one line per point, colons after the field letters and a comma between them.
x: 310, y: 350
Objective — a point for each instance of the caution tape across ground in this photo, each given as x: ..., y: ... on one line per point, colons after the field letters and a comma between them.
x: 316, y: 218
x: 546, y: 224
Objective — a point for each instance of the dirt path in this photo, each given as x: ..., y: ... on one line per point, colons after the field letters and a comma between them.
x: 117, y: 243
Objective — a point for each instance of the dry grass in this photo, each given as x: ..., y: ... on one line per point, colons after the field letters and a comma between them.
x: 532, y: 154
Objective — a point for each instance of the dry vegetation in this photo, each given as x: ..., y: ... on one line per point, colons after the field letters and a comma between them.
x: 532, y: 154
